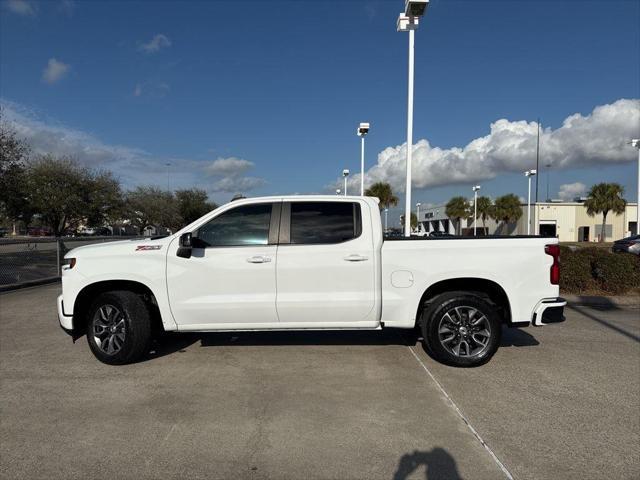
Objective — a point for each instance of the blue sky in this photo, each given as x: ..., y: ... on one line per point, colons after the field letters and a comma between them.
x: 276, y: 90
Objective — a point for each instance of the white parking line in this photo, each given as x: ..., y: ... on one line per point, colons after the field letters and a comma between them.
x: 464, y: 419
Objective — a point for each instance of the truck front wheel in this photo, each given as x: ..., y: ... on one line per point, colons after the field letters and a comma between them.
x: 461, y: 329
x: 118, y: 327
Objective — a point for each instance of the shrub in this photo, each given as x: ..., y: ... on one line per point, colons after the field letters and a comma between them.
x: 616, y: 273
x: 575, y: 271
x: 596, y: 270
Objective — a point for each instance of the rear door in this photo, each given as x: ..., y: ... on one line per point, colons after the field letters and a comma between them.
x: 326, y: 265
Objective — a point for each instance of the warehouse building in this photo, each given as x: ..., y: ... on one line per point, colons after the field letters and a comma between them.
x: 568, y: 221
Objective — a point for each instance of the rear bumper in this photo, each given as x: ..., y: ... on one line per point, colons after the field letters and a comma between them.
x: 549, y: 310
x: 66, y: 321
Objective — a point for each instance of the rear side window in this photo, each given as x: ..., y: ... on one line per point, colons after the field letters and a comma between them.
x: 242, y: 226
x: 324, y: 222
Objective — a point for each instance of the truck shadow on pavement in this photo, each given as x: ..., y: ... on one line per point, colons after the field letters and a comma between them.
x: 170, y: 343
x: 438, y: 464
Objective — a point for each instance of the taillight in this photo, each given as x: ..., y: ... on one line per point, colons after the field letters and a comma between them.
x: 554, y: 273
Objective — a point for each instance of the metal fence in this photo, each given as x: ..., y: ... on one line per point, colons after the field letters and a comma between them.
x: 34, y: 260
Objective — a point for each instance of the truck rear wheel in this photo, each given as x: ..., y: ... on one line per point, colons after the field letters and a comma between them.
x: 461, y: 329
x: 118, y: 327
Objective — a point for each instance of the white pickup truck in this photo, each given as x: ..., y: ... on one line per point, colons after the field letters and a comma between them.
x: 308, y: 263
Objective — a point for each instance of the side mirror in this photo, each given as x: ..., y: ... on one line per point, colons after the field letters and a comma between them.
x: 184, y: 245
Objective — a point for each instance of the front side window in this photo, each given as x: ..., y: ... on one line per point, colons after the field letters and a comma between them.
x: 242, y: 226
x: 324, y: 222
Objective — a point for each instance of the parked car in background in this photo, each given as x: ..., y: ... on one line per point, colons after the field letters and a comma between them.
x: 3, y: 232
x: 630, y: 245
x: 308, y: 263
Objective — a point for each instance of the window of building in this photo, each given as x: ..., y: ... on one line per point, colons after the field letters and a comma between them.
x: 324, y: 222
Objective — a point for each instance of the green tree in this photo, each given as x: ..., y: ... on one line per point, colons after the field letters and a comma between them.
x: 65, y: 194
x: 13, y: 180
x: 458, y: 208
x: 604, y: 198
x: 148, y: 205
x: 383, y: 191
x: 507, y: 209
x: 484, y: 208
x: 193, y: 204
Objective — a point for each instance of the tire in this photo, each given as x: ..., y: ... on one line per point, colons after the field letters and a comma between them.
x: 118, y: 327
x: 461, y: 329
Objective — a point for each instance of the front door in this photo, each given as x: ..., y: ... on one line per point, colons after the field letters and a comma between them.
x: 230, y: 278
x: 326, y: 265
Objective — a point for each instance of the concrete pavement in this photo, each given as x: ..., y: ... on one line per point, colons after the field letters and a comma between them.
x: 556, y: 402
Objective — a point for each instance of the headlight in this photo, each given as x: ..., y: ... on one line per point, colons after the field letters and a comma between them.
x: 68, y: 263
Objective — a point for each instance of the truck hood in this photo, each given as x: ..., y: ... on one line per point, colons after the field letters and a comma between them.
x: 119, y: 247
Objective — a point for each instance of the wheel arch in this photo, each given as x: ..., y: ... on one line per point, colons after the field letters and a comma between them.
x: 86, y: 296
x: 478, y: 286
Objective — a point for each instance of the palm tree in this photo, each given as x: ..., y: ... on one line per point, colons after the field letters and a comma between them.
x: 507, y: 209
x: 484, y: 208
x: 458, y: 208
x: 383, y: 191
x: 603, y: 198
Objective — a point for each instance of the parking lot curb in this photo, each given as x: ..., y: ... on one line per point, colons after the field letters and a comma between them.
x: 603, y: 301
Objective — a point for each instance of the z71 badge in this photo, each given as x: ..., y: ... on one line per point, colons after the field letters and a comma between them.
x: 148, y: 247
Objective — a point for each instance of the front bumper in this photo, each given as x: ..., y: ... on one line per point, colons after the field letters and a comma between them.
x: 66, y: 321
x: 549, y: 310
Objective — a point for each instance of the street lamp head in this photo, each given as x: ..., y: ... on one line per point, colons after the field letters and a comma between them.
x: 635, y: 142
x: 530, y: 173
x: 415, y: 8
x: 476, y: 188
x: 337, y: 191
x: 363, y: 129
x: 345, y: 172
x: 418, y: 204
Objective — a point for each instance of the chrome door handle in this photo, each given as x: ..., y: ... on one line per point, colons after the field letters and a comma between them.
x: 355, y: 258
x: 259, y: 259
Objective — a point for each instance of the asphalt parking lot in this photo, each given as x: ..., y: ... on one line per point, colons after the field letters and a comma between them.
x: 557, y: 402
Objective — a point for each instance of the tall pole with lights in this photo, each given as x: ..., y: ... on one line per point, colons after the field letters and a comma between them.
x: 636, y: 143
x: 345, y: 174
x: 475, y: 208
x: 529, y: 174
x: 386, y: 211
x: 362, y: 131
x: 418, y: 215
x: 408, y: 22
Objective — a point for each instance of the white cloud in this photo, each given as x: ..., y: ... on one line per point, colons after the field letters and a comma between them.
x: 151, y: 89
x: 54, y: 71
x: 133, y: 166
x: 231, y: 170
x: 569, y: 191
x: 228, y: 166
x: 237, y: 184
x: 158, y: 42
x: 595, y: 139
x: 22, y: 7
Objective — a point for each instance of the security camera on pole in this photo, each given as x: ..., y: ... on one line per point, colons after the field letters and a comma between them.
x: 408, y: 22
x: 475, y: 208
x: 363, y: 129
x: 345, y: 174
x: 529, y: 174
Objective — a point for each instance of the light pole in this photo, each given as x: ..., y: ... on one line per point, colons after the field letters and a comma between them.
x: 408, y: 22
x: 475, y: 208
x: 386, y: 211
x: 529, y: 174
x: 345, y: 174
x: 362, y: 131
x: 418, y: 215
x: 636, y: 143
